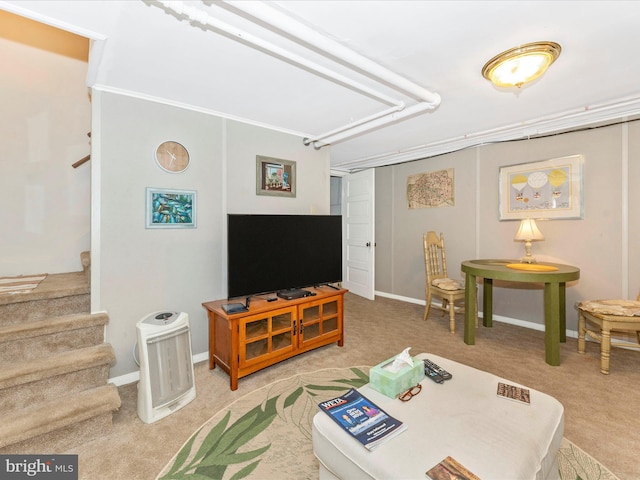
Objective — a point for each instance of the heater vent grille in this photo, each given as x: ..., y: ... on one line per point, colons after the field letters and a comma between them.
x: 169, y: 366
x: 166, y: 366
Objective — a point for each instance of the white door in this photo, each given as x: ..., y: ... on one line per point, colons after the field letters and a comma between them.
x: 358, y: 233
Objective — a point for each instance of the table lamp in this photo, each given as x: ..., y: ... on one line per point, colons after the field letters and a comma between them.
x: 527, y: 233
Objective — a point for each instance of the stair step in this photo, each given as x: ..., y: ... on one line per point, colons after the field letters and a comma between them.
x: 54, y: 367
x: 38, y: 421
x: 23, y: 384
x: 56, y: 285
x: 65, y: 362
x: 58, y: 294
x: 65, y: 440
x: 31, y: 340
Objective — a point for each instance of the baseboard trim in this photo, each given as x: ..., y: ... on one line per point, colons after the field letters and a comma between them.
x: 497, y: 318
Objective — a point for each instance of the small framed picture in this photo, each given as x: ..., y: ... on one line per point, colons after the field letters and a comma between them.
x: 170, y: 208
x: 275, y: 177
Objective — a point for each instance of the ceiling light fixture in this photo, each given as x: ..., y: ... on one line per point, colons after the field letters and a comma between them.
x: 520, y: 65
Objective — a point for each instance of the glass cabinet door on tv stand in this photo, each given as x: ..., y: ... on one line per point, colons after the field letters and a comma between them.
x: 319, y: 319
x: 269, y: 333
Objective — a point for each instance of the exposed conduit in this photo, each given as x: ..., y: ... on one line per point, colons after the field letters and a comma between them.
x: 331, y: 49
x: 547, y: 125
x: 350, y: 126
x: 202, y: 17
x: 354, y: 129
x: 305, y: 34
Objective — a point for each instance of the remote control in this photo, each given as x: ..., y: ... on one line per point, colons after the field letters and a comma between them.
x: 438, y: 369
x: 433, y: 375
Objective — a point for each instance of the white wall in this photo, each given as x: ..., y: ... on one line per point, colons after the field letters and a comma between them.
x: 244, y: 142
x: 137, y: 271
x: 46, y: 115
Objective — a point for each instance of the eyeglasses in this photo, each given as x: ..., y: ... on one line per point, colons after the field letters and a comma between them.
x: 409, y: 394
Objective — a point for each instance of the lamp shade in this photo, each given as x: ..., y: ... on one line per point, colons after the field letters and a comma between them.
x: 528, y: 231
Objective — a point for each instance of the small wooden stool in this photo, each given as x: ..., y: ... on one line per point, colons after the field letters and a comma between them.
x: 608, y: 316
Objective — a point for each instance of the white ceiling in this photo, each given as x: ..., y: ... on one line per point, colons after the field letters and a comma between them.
x: 439, y: 47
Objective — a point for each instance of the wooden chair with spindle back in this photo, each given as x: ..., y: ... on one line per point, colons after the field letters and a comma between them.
x: 438, y: 284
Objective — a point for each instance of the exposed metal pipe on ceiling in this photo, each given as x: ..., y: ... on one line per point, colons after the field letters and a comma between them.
x: 332, y: 50
x: 354, y: 130
x: 604, y: 114
x: 199, y: 16
x: 316, y: 140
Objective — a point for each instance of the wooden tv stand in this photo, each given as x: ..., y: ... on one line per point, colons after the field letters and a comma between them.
x: 269, y: 332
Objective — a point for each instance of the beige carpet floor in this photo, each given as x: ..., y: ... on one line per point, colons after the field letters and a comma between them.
x: 601, y: 412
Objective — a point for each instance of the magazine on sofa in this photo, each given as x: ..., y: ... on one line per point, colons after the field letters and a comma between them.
x: 364, y: 420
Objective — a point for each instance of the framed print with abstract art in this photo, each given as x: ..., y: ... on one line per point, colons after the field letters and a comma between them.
x: 170, y: 208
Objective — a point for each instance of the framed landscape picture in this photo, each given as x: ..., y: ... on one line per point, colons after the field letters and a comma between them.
x: 275, y: 177
x: 548, y: 189
x: 167, y: 208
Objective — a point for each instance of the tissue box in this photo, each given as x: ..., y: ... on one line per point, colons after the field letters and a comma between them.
x: 393, y: 383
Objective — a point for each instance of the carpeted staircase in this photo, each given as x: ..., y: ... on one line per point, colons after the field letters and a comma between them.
x: 54, y: 367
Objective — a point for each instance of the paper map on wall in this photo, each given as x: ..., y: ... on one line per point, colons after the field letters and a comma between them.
x: 433, y: 189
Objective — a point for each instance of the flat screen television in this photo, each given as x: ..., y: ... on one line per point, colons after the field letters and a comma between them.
x: 273, y: 253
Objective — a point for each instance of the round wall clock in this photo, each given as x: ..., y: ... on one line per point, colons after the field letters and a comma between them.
x: 172, y: 157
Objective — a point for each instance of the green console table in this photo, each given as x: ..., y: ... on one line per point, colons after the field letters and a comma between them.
x: 555, y: 325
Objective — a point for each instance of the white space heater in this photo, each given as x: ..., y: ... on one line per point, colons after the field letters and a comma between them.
x: 166, y: 368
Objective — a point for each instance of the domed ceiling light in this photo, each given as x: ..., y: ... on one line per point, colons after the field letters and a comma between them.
x: 520, y: 65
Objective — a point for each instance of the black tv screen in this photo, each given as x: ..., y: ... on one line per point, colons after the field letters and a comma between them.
x: 269, y: 253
